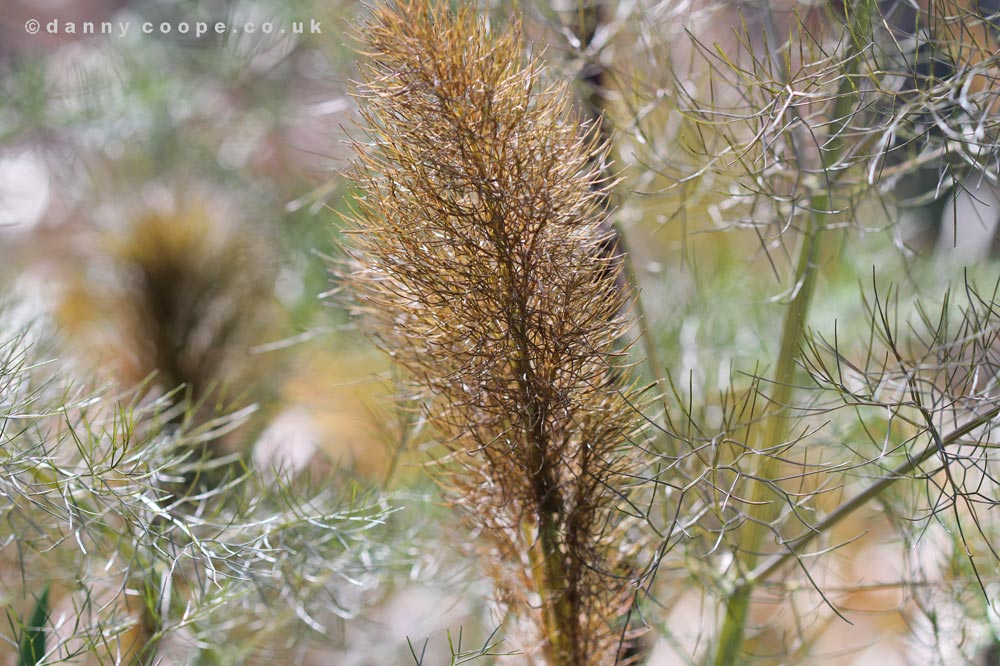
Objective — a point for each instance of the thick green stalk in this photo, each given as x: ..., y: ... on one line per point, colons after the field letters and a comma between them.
x: 765, y: 502
x: 549, y: 576
x: 550, y: 583
x: 764, y: 507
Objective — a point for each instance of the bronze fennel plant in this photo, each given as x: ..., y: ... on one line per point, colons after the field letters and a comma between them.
x: 477, y: 261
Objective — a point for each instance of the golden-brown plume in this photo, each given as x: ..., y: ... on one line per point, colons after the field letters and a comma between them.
x: 477, y: 260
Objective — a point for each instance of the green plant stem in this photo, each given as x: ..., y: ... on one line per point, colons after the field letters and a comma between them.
x: 33, y: 640
x: 559, y: 621
x: 901, y: 471
x: 549, y: 577
x: 764, y: 504
x: 764, y: 507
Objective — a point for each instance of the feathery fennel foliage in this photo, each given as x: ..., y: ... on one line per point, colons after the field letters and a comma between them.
x: 481, y: 269
x: 103, y: 504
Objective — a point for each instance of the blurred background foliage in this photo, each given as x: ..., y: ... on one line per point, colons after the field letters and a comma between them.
x: 166, y: 202
x: 163, y: 200
x: 166, y: 197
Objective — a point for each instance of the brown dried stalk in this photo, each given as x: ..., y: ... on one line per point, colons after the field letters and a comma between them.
x: 480, y: 269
